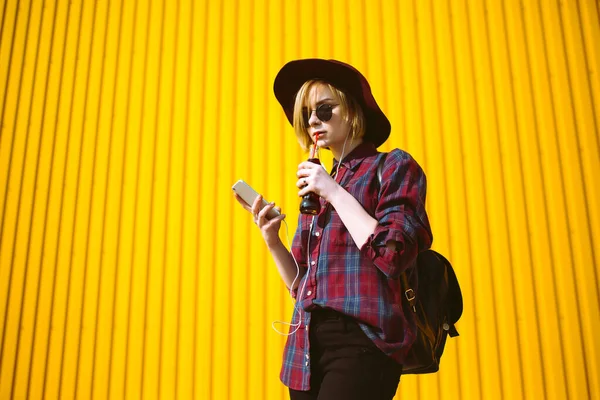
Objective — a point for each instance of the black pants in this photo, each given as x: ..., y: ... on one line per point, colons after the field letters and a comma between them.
x: 345, y: 364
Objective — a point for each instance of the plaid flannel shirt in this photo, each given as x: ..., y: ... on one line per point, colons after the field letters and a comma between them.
x: 361, y: 282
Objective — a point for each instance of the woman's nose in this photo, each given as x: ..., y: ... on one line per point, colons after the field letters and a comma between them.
x: 313, y: 119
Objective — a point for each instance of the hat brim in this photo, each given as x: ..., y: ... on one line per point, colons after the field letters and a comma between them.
x: 292, y: 76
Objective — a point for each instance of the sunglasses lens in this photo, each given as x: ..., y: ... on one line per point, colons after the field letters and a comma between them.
x: 324, y: 112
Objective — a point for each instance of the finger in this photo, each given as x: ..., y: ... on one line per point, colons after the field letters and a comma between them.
x: 246, y: 206
x: 256, y: 205
x: 303, y: 191
x: 302, y: 183
x: 265, y: 210
x: 307, y: 165
x: 304, y: 172
x: 275, y: 220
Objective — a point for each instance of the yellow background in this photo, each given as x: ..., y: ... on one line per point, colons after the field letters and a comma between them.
x: 126, y: 269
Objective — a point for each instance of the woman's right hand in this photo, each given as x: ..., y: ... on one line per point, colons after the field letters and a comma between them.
x: 268, y: 227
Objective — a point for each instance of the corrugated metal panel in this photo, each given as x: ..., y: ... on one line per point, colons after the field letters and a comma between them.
x: 127, y: 271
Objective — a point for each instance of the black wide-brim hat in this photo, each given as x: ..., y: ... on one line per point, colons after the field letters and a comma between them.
x: 345, y: 77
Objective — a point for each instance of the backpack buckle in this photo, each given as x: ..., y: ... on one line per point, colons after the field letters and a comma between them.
x: 410, y: 296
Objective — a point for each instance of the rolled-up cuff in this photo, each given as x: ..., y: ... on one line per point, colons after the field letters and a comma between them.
x: 385, y: 258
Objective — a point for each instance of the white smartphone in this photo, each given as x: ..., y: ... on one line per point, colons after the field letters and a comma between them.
x: 248, y: 194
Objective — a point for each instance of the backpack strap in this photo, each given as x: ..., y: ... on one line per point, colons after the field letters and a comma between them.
x: 380, y: 168
x: 408, y: 293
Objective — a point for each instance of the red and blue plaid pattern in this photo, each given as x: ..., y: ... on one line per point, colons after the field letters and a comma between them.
x: 361, y: 282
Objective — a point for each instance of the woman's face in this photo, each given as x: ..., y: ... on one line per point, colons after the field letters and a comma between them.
x: 331, y: 133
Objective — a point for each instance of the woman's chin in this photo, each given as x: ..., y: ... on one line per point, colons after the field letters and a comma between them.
x: 322, y: 143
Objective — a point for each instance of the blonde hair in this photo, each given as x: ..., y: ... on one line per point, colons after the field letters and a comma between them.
x: 350, y: 111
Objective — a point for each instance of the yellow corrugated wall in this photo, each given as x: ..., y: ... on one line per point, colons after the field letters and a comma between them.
x: 127, y: 271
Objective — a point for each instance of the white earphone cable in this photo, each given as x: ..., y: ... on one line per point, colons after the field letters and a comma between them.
x: 298, y: 324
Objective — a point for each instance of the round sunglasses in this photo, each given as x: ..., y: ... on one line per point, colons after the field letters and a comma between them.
x: 324, y: 112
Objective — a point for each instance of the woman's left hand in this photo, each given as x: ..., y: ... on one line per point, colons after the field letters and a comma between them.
x: 314, y: 178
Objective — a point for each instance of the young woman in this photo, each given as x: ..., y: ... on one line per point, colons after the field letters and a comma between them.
x: 351, y: 327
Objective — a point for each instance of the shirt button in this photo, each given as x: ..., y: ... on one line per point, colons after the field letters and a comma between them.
x: 317, y: 234
x: 309, y: 293
x: 306, y: 363
x: 313, y: 262
x: 307, y: 356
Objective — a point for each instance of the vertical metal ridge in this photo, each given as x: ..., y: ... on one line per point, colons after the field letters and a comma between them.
x: 349, y: 47
x: 132, y: 268
x: 590, y: 68
x: 183, y: 188
x: 262, y: 173
x: 106, y: 191
x: 252, y: 116
x: 119, y: 219
x: 418, y: 57
x: 488, y: 254
x: 380, y: 33
x: 365, y: 38
x: 197, y: 287
x: 213, y: 191
x: 184, y: 196
x: 75, y: 213
x: 598, y: 10
x: 60, y: 207
x: 89, y: 216
x: 496, y: 111
x: 46, y: 201
x: 8, y: 179
x: 283, y: 181
x: 152, y: 193
x: 402, y: 88
x: 136, y: 228
x: 591, y: 60
x: 594, y: 106
x: 12, y: 266
x: 21, y: 205
x: 64, y: 211
x: 527, y: 239
x: 231, y: 170
x: 4, y: 16
x: 546, y: 234
x: 330, y: 13
x: 443, y: 161
x: 431, y: 121
x: 541, y: 168
x: 568, y: 217
x: 4, y: 92
x: 464, y: 178
x: 169, y: 152
x: 90, y: 212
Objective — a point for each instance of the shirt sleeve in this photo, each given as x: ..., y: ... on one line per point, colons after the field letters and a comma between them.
x: 403, y: 226
x: 298, y: 253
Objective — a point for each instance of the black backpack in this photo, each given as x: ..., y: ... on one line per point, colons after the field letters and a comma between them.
x: 437, y: 304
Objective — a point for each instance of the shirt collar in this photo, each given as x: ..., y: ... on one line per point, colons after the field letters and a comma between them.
x: 354, y: 158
